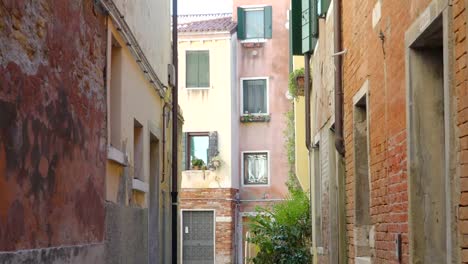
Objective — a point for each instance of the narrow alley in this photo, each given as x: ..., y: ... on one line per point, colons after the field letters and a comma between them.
x: 233, y: 131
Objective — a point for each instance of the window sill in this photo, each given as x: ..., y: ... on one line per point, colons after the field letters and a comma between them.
x: 139, y: 185
x: 197, y: 88
x: 253, y: 44
x: 116, y: 156
x: 255, y: 118
x: 257, y: 40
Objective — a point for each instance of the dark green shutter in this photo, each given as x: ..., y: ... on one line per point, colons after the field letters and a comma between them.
x: 295, y: 27
x: 191, y: 69
x: 324, y: 5
x: 314, y: 20
x: 309, y: 25
x: 184, y: 152
x: 203, y: 69
x: 240, y: 23
x: 268, y: 23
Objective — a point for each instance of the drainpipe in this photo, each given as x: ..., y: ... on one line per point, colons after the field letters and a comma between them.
x: 339, y: 139
x: 175, y: 120
x: 307, y: 84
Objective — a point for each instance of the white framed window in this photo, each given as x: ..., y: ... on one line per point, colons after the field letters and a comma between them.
x: 255, y: 168
x: 254, y: 96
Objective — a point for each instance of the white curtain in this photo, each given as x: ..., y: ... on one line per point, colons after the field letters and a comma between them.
x: 256, y: 168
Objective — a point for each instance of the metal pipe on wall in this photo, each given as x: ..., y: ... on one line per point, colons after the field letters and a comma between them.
x: 175, y: 120
x: 307, y: 88
x: 339, y: 139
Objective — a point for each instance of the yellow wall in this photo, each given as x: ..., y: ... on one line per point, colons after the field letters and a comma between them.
x: 301, y: 149
x: 138, y: 101
x: 212, y: 109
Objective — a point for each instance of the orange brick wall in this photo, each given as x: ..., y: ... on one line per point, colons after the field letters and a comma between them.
x: 382, y: 63
x: 222, y: 201
x: 461, y: 120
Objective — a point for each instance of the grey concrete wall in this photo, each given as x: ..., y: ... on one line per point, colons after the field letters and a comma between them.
x: 126, y: 234
x: 91, y: 253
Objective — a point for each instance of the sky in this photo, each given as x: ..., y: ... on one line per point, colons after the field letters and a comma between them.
x: 204, y: 6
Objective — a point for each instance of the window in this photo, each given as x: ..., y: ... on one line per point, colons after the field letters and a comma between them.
x: 198, y: 69
x: 137, y: 150
x: 322, y: 7
x: 255, y: 168
x: 254, y: 93
x: 254, y: 23
x: 197, y: 147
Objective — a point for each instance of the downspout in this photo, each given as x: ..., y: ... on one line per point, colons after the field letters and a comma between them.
x: 175, y: 120
x: 339, y: 139
x: 307, y: 88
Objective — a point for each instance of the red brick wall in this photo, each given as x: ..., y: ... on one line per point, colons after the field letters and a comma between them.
x: 220, y: 200
x: 383, y: 64
x: 461, y: 94
x: 52, y: 123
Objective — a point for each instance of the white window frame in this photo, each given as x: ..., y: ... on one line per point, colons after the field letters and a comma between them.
x: 185, y: 70
x: 267, y: 95
x: 254, y: 8
x: 181, y: 236
x: 269, y: 168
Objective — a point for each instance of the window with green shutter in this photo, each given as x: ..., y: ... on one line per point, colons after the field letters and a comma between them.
x: 310, y: 30
x: 322, y: 7
x: 254, y: 23
x: 254, y: 97
x: 197, y: 69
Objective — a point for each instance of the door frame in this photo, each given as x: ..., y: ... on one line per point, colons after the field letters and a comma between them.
x: 182, y: 231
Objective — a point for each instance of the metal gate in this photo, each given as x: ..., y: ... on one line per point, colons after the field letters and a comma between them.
x: 198, y: 237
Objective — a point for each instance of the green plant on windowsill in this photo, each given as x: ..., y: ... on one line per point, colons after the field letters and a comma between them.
x: 296, y: 83
x: 198, y: 164
x: 248, y: 118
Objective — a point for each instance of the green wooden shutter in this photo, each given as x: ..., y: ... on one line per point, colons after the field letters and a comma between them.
x: 240, y: 23
x: 309, y: 25
x: 213, y: 146
x: 324, y: 5
x: 191, y: 69
x: 295, y: 27
x: 314, y: 20
x: 203, y: 69
x: 184, y: 152
x: 268, y: 22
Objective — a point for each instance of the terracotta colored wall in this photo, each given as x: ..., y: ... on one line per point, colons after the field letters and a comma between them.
x: 52, y: 123
x: 271, y: 61
x: 368, y: 58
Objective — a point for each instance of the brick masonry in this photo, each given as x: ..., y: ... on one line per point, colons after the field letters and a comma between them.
x: 222, y: 201
x: 52, y: 123
x: 461, y: 120
x: 377, y: 54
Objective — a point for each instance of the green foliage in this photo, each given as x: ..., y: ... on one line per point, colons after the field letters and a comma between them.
x: 290, y: 145
x: 292, y: 85
x: 197, y: 162
x: 283, y: 233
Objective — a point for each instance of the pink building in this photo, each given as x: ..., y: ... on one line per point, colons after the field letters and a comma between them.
x: 262, y: 75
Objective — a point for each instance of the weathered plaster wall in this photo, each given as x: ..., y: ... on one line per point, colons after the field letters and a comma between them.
x: 268, y: 61
x: 207, y: 110
x: 52, y: 127
x: 148, y: 21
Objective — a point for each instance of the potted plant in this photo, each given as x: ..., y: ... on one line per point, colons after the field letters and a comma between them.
x: 197, y: 164
x: 296, y: 83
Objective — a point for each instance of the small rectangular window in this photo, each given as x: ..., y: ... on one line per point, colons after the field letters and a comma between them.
x: 254, y: 96
x: 197, y: 148
x: 254, y: 23
x: 255, y: 168
x: 198, y: 69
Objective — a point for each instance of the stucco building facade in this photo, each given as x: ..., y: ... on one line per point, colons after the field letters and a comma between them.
x: 208, y: 98
x: 85, y: 137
